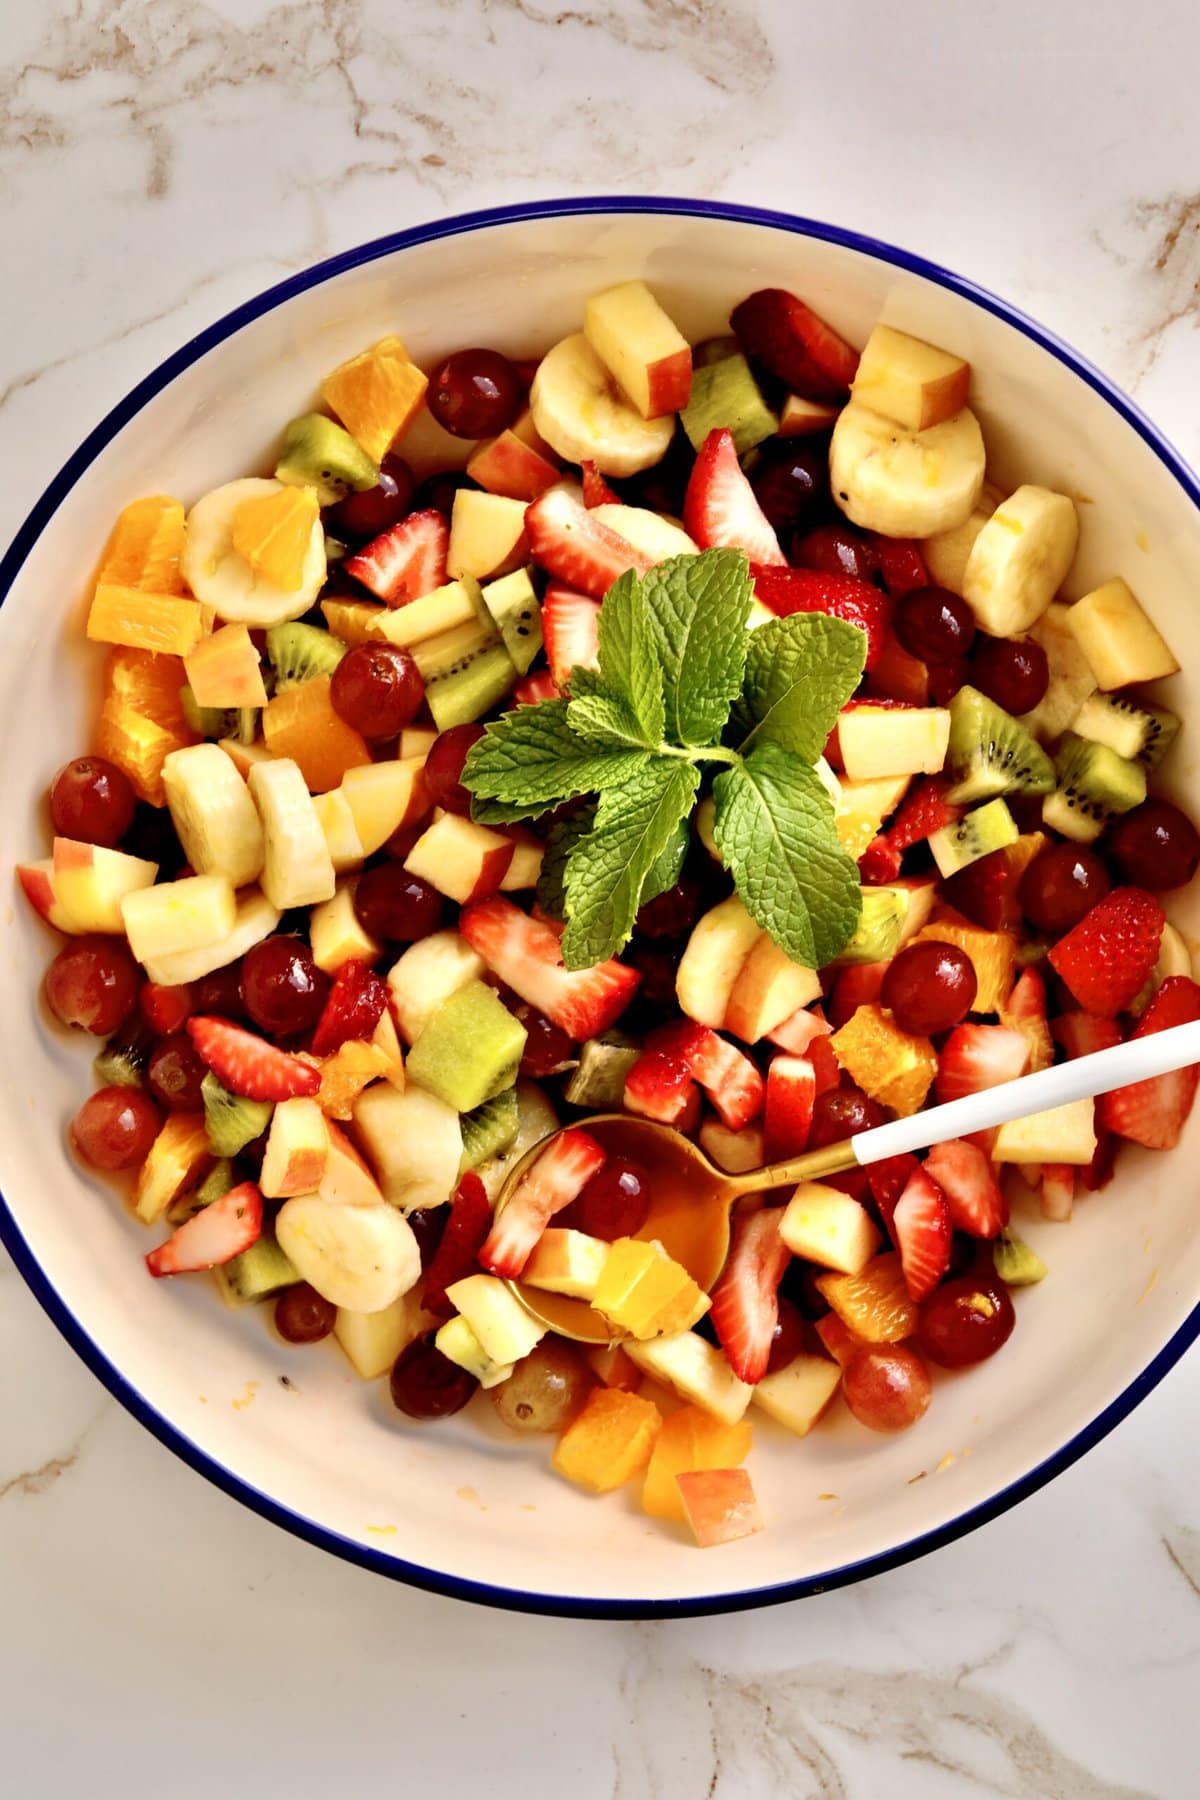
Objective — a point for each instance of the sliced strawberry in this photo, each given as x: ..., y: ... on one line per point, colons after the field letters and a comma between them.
x: 571, y: 627
x: 720, y: 508
x: 166, y: 1010
x: 879, y: 863
x: 535, y: 688
x: 559, y: 1175
x: 354, y: 1008
x: 888, y: 1179
x: 457, y: 1254
x: 827, y: 1070
x: 1057, y: 1191
x: 895, y: 675
x: 406, y: 561
x: 838, y: 1339
x: 901, y: 565
x: 659, y: 1087
x: 566, y: 541
x: 799, y: 1029
x: 246, y: 1064
x: 788, y: 591
x: 745, y: 1301
x: 858, y: 984
x: 791, y: 1092
x: 975, y: 1057
x: 726, y: 1074
x: 923, y: 811
x: 1108, y: 957
x: 1026, y: 1011
x: 596, y: 491
x: 795, y: 345
x: 1154, y: 1112
x: 968, y: 1181
x: 922, y: 1232
x: 214, y: 1235
x: 1081, y: 1033
x: 525, y: 954
x: 1099, y: 1172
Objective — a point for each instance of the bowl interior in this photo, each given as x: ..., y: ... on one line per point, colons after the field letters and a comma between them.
x: 465, y: 1501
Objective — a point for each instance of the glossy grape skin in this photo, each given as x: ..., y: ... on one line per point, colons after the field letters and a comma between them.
x: 221, y: 993
x: 1013, y: 672
x: 475, y: 393
x: 791, y: 483
x: 377, y: 690
x: 965, y: 1321
x: 427, y: 1385
x: 545, y: 1390
x: 400, y: 908
x: 547, y: 1046
x: 282, y: 989
x: 789, y: 1338
x: 93, y: 983
x: 841, y: 1113
x: 444, y: 767
x: 115, y: 1128
x: 929, y: 987
x: 175, y: 1072
x: 302, y: 1316
x: 92, y: 801
x: 427, y: 1224
x: 887, y: 1387
x: 836, y: 550
x: 1155, y: 846
x: 1061, y: 884
x: 615, y: 1203
x: 366, y: 514
x: 934, y: 625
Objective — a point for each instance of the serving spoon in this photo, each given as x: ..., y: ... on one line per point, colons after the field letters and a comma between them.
x: 691, y: 1199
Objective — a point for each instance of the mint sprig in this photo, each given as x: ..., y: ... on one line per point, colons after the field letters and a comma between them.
x: 683, y: 685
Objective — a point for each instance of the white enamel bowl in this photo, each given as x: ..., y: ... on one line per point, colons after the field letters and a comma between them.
x: 463, y: 1507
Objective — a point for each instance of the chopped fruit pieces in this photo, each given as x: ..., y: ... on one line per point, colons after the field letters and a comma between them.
x: 799, y: 348
x: 249, y: 1065
x: 141, y: 621
x: 1118, y: 640
x: 745, y: 1306
x: 719, y: 1504
x: 1109, y: 956
x: 225, y: 670
x: 179, y: 1156
x: 728, y: 1077
x: 558, y: 1176
x: 888, y: 1064
x: 272, y: 531
x: 566, y: 1262
x: 457, y: 1254
x: 827, y: 1227
x: 797, y: 1395
x: 215, y: 1235
x: 993, y: 955
x: 346, y: 1073
x: 690, y: 1439
x: 790, y: 1096
x: 525, y: 953
x: 968, y: 1181
x: 659, y: 1087
x: 571, y: 626
x: 1063, y: 1134
x: 786, y: 591
x: 610, y: 1442
x: 644, y: 1292
x: 721, y: 509
x: 376, y: 395
x: 405, y: 562
x: 1155, y: 1112
x: 1026, y: 1011
x: 176, y: 915
x: 297, y: 1152
x: 301, y: 723
x: 920, y: 1225
x: 699, y: 1373
x: 909, y: 380
x: 874, y: 1304
x: 877, y: 741
x: 502, y: 1325
x: 717, y: 952
x: 577, y: 549
x: 644, y: 350
x: 975, y: 1057
x: 144, y: 547
x: 355, y: 1005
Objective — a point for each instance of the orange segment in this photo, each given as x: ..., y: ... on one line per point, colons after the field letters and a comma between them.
x: 144, y: 547
x: 346, y: 1073
x: 302, y: 724
x: 875, y: 1303
x: 610, y: 1442
x: 893, y: 1067
x: 272, y: 532
x: 354, y: 621
x: 138, y: 746
x: 148, y: 684
x: 180, y: 1154
x: 690, y: 1439
x: 994, y: 954
x: 376, y: 395
x: 144, y: 621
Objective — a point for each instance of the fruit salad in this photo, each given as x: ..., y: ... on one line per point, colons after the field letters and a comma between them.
x: 709, y: 741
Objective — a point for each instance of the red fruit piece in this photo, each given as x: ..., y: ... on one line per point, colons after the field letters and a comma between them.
x: 799, y: 1029
x: 596, y: 491
x: 728, y: 1077
x: 1026, y: 1012
x: 795, y: 345
x: 791, y: 1093
x: 975, y: 1057
x: 924, y: 810
x: 901, y: 565
x: 566, y: 541
x: 720, y: 508
x: 1057, y: 1192
x: 247, y: 1065
x: 571, y: 627
x: 559, y: 1175
x: 166, y: 1010
x: 659, y: 1087
x: 968, y: 1181
x: 745, y: 1303
x: 1108, y: 957
x: 405, y: 562
x: 457, y: 1254
x: 879, y: 862
x: 859, y: 984
x: 888, y: 1179
x: 838, y: 1339
x: 1154, y: 1112
x: 354, y: 1007
x: 1080, y: 1033
x: 986, y: 890
x: 921, y: 1228
x: 719, y: 1505
x: 539, y: 686
x: 788, y: 591
x: 214, y: 1235
x: 827, y: 1070
x: 1099, y: 1172
x: 525, y: 954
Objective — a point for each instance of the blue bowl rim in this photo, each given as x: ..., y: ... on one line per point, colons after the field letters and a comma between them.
x: 415, y: 1575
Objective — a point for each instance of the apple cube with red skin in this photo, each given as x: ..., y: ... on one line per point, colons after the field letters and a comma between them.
x: 461, y: 859
x: 225, y: 670
x: 385, y: 796
x: 643, y: 349
x: 508, y: 466
x: 297, y: 1152
x: 908, y: 380
x: 80, y: 888
x: 719, y: 1505
x: 799, y: 417
x: 347, y: 1179
x: 717, y: 951
x: 768, y: 989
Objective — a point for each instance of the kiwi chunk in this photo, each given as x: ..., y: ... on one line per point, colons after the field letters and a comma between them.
x: 125, y: 1058
x: 470, y: 1050
x: 1016, y: 1264
x: 991, y: 753
x: 489, y: 1129
x: 302, y: 652
x: 261, y: 1270
x: 320, y: 454
x: 1094, y: 785
x: 1138, y: 733
x: 599, y: 1079
x: 879, y: 926
x: 206, y: 721
x: 977, y: 833
x: 220, y: 1178
x: 466, y: 672
x: 512, y: 606
x: 230, y: 1120
x: 726, y: 395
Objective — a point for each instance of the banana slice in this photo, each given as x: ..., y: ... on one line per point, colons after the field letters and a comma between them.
x: 946, y: 554
x: 1018, y: 561
x: 254, y: 920
x: 906, y: 483
x: 1174, y: 958
x: 211, y: 808
x: 360, y: 1257
x: 583, y: 415
x: 222, y: 579
x: 297, y: 867
x: 649, y: 532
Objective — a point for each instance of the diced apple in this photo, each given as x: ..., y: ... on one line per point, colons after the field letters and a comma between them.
x: 416, y: 741
x: 1118, y: 639
x: 487, y: 535
x: 385, y: 796
x: 719, y: 1505
x: 37, y: 882
x: 716, y: 954
x: 920, y: 891
x: 225, y: 670
x: 878, y: 741
x: 642, y: 348
x: 508, y: 465
x: 384, y: 1039
x: 796, y: 1395
x: 695, y: 1369
x: 799, y: 417
x: 1064, y: 1134
x: 502, y: 1325
x: 414, y: 1141
x: 341, y: 833
x: 909, y: 380
x: 373, y: 1341
x: 256, y: 919
x: 336, y: 935
x: 427, y: 973
x: 733, y: 1151
x: 527, y: 858
x: 461, y: 859
x: 346, y: 1179
x: 297, y: 1152
x: 768, y: 989
x: 566, y: 1262
x: 91, y: 883
x: 179, y: 915
x: 825, y: 1226
x: 459, y: 1344
x: 861, y: 807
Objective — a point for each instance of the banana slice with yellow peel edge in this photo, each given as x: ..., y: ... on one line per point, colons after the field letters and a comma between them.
x: 224, y: 581
x: 909, y: 484
x: 582, y: 414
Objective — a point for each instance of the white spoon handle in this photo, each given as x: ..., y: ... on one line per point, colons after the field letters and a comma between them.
x: 1157, y: 1054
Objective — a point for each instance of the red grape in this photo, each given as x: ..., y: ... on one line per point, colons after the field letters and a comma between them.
x: 436, y: 493
x: 282, y: 988
x: 1011, y: 671
x: 836, y: 550
x: 887, y: 1387
x: 614, y: 1204
x: 366, y: 514
x: 789, y: 1337
x: 427, y: 1385
x: 302, y: 1316
x: 166, y: 1009
x: 427, y: 1224
x: 929, y: 987
x: 841, y: 1113
x: 475, y: 393
x: 1155, y: 846
x: 934, y: 625
x: 547, y: 1045
x: 658, y: 966
x: 790, y: 482
x: 392, y: 904
x: 377, y: 689
x: 93, y: 983
x: 115, y: 1127
x: 175, y: 1072
x: 221, y: 993
x: 92, y: 801
x: 965, y: 1321
x: 1060, y: 885
x: 672, y: 913
x: 444, y: 767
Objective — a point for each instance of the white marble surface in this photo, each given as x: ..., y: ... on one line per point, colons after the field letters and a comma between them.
x: 160, y: 162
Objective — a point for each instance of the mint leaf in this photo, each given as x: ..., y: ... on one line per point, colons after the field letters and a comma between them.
x: 635, y: 821
x: 800, y: 672
x: 774, y: 828
x: 530, y: 759
x: 562, y: 838
x: 628, y: 660
x: 609, y: 719
x: 667, y: 868
x: 696, y: 609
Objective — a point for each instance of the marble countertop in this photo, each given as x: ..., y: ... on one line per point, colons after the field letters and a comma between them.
x: 159, y: 163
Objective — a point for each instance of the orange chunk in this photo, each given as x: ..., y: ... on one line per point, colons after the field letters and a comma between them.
x: 144, y: 621
x: 610, y: 1442
x: 645, y: 1292
x: 302, y: 724
x: 690, y: 1439
x: 720, y: 1505
x: 612, y: 1366
x: 344, y: 1075
x: 272, y: 532
x: 225, y: 670
x: 180, y: 1154
x: 139, y: 747
x: 376, y: 395
x: 892, y: 1066
x: 147, y: 683
x: 994, y: 954
x: 144, y: 547
x: 873, y: 1304
x: 354, y: 621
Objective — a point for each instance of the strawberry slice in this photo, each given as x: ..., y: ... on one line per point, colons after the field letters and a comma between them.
x: 879, y: 863
x: 1155, y: 1112
x: 923, y: 811
x: 1108, y: 957
x: 659, y: 1087
x: 827, y: 1070
x: 968, y: 1181
x: 166, y: 1010
x: 921, y: 1228
x: 787, y: 591
x: 901, y: 565
x: 406, y: 561
x: 1056, y: 1194
x: 728, y: 1077
x: 799, y: 1029
x: 888, y: 1179
x: 1080, y: 1033
x: 246, y: 1064
x: 596, y: 491
x: 535, y: 688
x: 791, y: 1094
x: 792, y: 343
x: 858, y: 984
x: 525, y: 954
x: 895, y: 675
x: 975, y: 1057
x: 1026, y: 1012
x: 745, y: 1301
x: 354, y: 1008
x: 720, y: 508
x: 566, y: 541
x: 457, y: 1254
x: 571, y: 628
x: 558, y: 1176
x: 214, y: 1235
